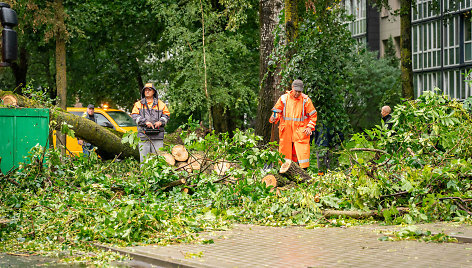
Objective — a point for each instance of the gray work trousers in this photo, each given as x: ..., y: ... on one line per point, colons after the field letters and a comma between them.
x: 149, y: 146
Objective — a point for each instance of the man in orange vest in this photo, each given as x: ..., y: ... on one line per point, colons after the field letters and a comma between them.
x: 297, y: 117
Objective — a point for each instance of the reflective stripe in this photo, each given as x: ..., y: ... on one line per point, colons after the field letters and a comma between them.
x: 303, y: 108
x: 137, y: 120
x: 314, y: 111
x: 303, y: 161
x: 311, y: 122
x: 293, y: 119
x: 165, y: 119
x: 283, y: 98
x: 276, y: 110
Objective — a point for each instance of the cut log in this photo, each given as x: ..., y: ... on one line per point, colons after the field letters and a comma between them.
x: 180, y: 153
x: 174, y: 183
x: 195, y: 161
x: 221, y: 167
x: 187, y: 190
x: 169, y: 158
x: 9, y: 100
x: 108, y: 143
x: 183, y: 166
x: 294, y: 172
x: 275, y: 180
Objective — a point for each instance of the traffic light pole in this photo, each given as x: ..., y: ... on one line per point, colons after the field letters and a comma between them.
x: 8, y: 20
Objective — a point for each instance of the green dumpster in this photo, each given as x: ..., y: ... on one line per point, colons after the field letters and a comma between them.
x: 20, y: 130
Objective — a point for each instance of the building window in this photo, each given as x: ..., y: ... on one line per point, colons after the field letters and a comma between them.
x: 467, y: 39
x: 451, y: 41
x: 426, y: 47
x: 454, y: 84
x: 417, y: 47
x: 357, y: 8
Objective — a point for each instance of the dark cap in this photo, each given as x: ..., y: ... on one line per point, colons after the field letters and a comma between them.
x: 297, y: 85
x: 90, y: 106
x: 150, y: 86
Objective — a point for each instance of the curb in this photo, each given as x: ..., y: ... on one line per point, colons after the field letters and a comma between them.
x: 461, y: 239
x: 158, y: 260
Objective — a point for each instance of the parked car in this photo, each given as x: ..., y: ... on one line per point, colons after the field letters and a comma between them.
x: 111, y: 118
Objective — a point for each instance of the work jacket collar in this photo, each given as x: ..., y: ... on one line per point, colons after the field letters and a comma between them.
x: 291, y: 93
x: 154, y: 102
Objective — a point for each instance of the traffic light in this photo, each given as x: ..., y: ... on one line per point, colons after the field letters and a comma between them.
x: 9, y: 37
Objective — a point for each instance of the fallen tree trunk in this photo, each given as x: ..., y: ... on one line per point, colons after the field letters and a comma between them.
x: 108, y: 143
x: 294, y: 172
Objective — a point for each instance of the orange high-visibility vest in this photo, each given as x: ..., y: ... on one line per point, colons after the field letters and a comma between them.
x: 295, y: 116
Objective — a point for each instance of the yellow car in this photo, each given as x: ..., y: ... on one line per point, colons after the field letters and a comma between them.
x: 111, y: 118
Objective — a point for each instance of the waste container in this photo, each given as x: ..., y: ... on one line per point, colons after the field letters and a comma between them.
x: 20, y: 130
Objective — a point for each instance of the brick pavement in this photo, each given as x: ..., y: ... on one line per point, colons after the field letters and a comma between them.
x: 257, y: 246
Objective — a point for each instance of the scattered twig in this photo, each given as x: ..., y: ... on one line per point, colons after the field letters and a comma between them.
x: 368, y: 150
x: 459, y: 202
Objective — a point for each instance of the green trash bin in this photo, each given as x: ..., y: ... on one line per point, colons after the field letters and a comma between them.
x: 20, y: 130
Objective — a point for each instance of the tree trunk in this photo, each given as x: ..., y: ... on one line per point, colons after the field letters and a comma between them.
x: 223, y: 121
x: 20, y: 69
x: 138, y: 73
x: 291, y: 19
x: 405, y: 46
x: 107, y: 142
x: 268, y: 80
x: 61, y: 78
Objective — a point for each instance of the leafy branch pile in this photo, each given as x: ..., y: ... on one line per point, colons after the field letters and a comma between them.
x: 67, y: 203
x: 423, y: 164
x: 419, y: 171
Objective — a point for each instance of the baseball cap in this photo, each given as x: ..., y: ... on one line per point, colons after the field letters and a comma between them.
x: 297, y: 85
x: 91, y: 106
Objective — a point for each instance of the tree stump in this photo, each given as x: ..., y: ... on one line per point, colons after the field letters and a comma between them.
x: 294, y: 172
x: 180, y: 153
x: 275, y: 180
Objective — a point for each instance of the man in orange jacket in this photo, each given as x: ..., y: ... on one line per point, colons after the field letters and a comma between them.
x: 297, y: 117
x: 151, y: 115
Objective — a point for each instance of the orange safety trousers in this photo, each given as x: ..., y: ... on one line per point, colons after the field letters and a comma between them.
x: 295, y: 115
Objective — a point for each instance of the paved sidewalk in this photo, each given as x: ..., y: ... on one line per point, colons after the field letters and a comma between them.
x: 257, y: 246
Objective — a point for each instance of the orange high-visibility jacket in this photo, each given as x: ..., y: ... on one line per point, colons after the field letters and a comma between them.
x: 295, y: 116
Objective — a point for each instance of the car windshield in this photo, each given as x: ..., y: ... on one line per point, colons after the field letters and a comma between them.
x: 122, y: 118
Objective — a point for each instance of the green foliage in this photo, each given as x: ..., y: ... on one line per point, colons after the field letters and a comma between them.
x: 421, y: 172
x: 231, y: 61
x: 68, y: 201
x: 390, y: 54
x: 321, y: 50
x: 413, y: 233
x: 334, y: 70
x: 131, y: 137
x: 363, y: 99
x: 426, y: 165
